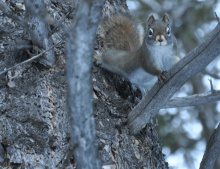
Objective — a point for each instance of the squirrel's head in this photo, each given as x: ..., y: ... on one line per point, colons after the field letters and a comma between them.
x: 158, y: 31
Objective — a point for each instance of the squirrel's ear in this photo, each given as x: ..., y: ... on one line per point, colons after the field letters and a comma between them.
x: 151, y: 19
x: 166, y: 19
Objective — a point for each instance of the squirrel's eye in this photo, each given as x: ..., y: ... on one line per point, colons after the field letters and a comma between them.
x: 150, y: 32
x: 168, y: 31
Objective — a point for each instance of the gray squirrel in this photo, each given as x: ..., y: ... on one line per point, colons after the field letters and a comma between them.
x: 134, y: 53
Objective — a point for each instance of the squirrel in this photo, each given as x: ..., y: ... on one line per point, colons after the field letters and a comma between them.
x: 134, y: 53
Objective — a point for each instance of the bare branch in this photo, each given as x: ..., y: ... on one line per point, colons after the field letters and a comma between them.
x: 212, y: 150
x: 216, y: 76
x: 29, y: 60
x: 175, y: 78
x: 193, y: 100
x: 79, y: 49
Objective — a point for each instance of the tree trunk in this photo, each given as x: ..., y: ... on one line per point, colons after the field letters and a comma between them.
x: 34, y: 121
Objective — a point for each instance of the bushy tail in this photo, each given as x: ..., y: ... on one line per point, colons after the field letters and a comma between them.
x: 119, y: 32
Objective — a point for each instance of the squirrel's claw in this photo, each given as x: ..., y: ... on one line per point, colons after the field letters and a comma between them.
x: 161, y: 77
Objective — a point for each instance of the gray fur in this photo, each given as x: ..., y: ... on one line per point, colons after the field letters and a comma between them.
x: 135, y: 55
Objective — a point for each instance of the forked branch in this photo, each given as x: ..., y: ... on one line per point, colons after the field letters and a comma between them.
x: 193, y: 100
x: 179, y: 74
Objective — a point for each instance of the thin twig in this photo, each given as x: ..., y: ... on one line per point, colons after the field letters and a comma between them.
x: 29, y: 60
x: 217, y: 17
x: 211, y: 85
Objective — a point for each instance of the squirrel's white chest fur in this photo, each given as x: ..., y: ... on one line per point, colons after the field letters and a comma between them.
x: 162, y: 56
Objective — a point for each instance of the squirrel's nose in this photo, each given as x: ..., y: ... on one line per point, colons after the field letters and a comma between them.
x: 160, y: 40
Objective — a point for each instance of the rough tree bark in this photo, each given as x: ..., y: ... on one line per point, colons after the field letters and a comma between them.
x: 39, y: 28
x: 34, y: 121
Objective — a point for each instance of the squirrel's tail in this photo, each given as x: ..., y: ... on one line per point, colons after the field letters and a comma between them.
x: 121, y: 31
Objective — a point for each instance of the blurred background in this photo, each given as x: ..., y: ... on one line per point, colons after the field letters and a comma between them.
x: 185, y: 131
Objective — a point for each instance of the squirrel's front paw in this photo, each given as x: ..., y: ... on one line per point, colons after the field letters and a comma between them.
x: 161, y: 76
